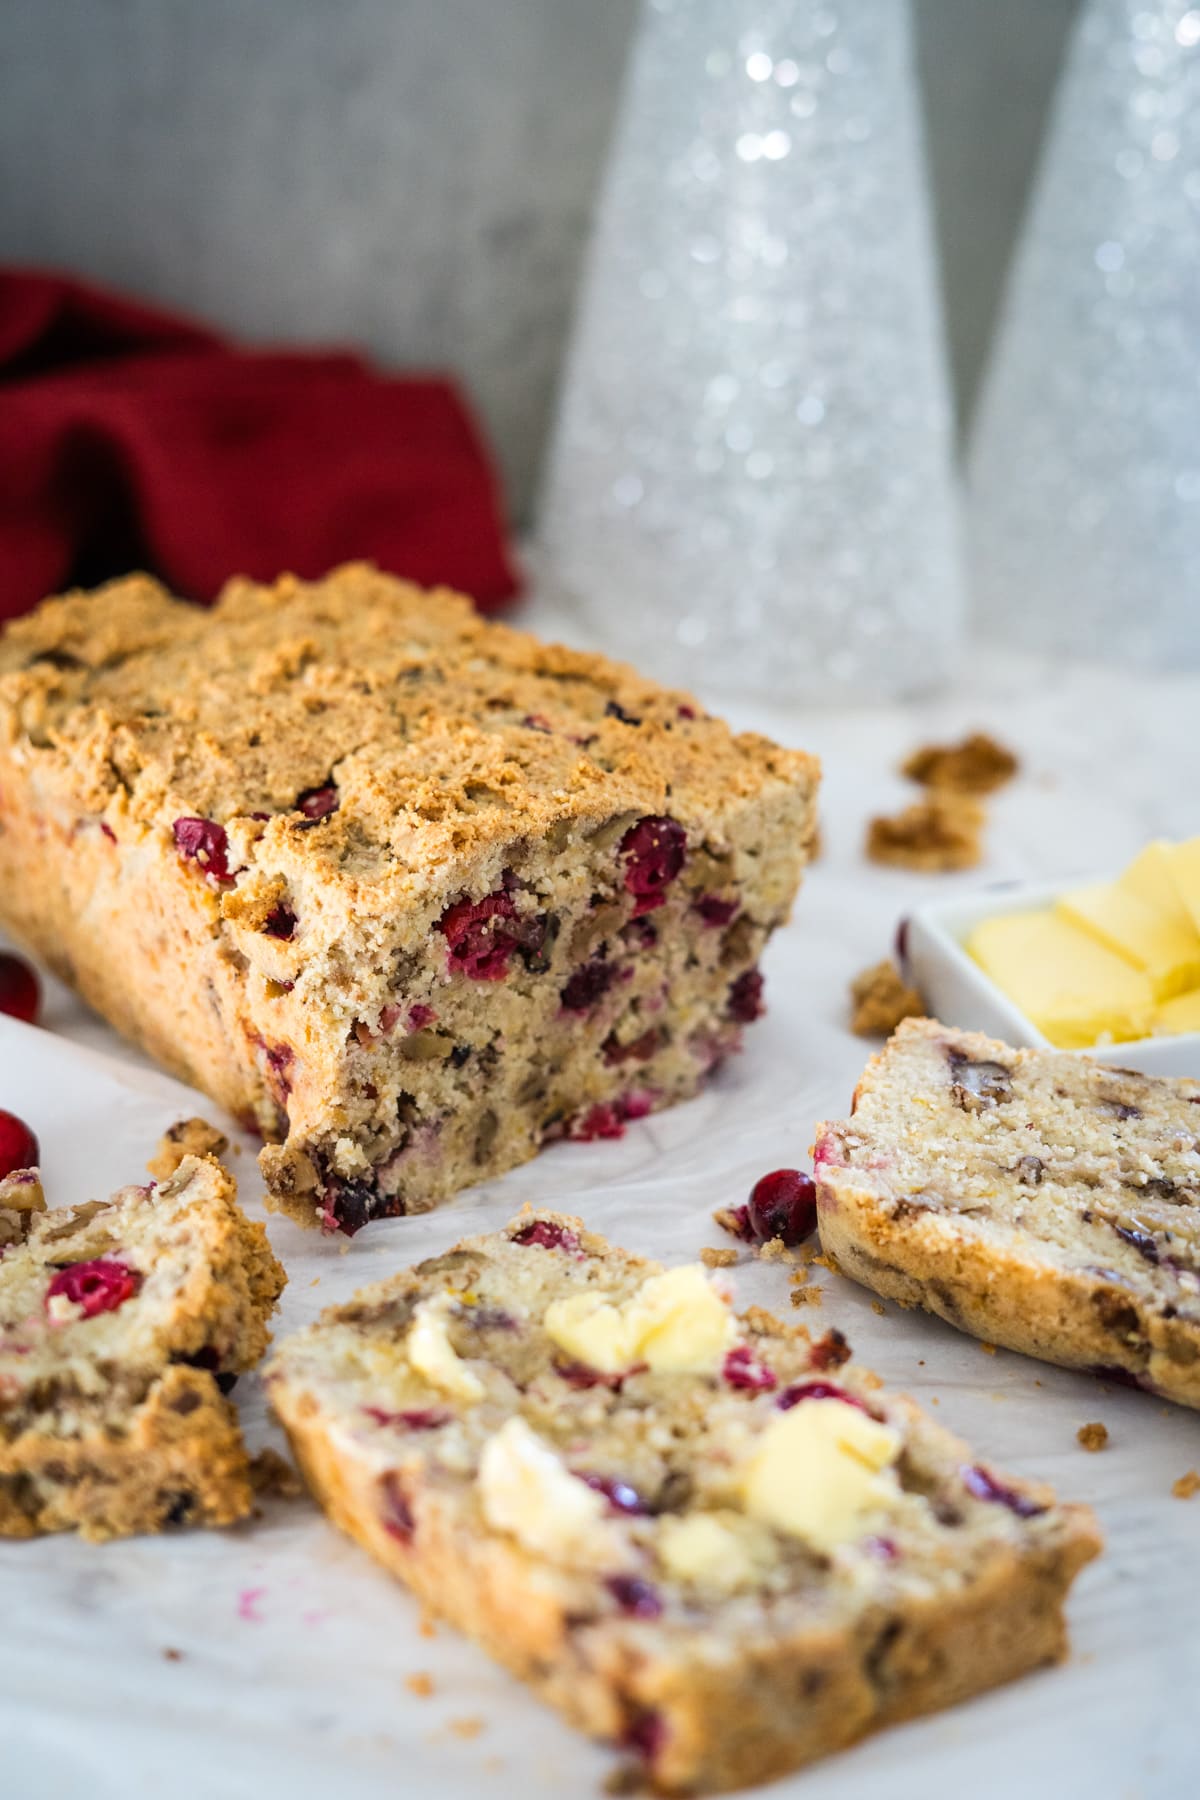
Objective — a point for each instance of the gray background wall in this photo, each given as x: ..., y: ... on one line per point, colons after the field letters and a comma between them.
x: 416, y: 175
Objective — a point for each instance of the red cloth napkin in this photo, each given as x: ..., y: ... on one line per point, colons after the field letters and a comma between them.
x: 130, y: 438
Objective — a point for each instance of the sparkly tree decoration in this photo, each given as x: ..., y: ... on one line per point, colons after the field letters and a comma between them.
x: 750, y: 480
x: 1085, y: 464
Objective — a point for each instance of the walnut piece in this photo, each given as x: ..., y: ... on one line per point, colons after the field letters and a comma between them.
x: 881, y: 999
x: 933, y: 835
x: 978, y: 765
x: 187, y: 1137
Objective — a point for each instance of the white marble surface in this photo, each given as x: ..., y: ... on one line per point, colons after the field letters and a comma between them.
x: 291, y: 1681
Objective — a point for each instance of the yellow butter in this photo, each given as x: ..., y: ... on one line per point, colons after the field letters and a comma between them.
x: 526, y: 1491
x: 819, y: 1471
x: 1164, y: 947
x: 1150, y: 877
x: 676, y: 1321
x: 708, y: 1551
x: 1180, y: 1014
x: 1074, y: 989
x: 1185, y: 872
x: 432, y: 1355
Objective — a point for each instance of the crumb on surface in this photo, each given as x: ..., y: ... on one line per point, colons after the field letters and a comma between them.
x: 775, y: 1250
x: 427, y: 1625
x: 469, y: 1727
x: 877, y: 1306
x: 988, y: 1349
x: 729, y: 1218
x: 806, y: 1296
x: 827, y: 1260
x: 1187, y: 1485
x: 172, y: 1655
x: 420, y: 1684
x: 271, y: 1473
x: 934, y: 835
x: 187, y: 1137
x: 881, y: 999
x: 978, y: 765
x: 1094, y: 1436
x: 717, y: 1259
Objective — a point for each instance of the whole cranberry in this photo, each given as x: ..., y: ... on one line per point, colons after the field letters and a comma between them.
x: 654, y: 850
x: 18, y: 1146
x: 20, y: 989
x: 783, y: 1205
x: 98, y: 1286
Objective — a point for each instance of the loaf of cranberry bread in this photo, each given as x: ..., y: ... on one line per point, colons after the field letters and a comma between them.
x: 412, y: 893
x: 701, y: 1536
x: 1036, y: 1198
x: 123, y: 1323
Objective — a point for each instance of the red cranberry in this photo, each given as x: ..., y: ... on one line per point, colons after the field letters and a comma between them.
x: 816, y: 1390
x: 600, y: 1121
x: 830, y: 1351
x: 578, y: 1375
x: 422, y: 1418
x: 99, y: 1286
x: 537, y: 722
x: 645, y: 1733
x: 640, y: 1599
x: 20, y: 989
x: 18, y: 1146
x: 654, y: 850
x: 743, y: 1370
x: 203, y: 841
x: 714, y: 911
x: 640, y: 1050
x: 589, y: 983
x: 745, y: 998
x: 686, y: 712
x: 398, y: 1520
x: 984, y: 1486
x: 418, y: 1018
x: 281, y: 923
x: 547, y: 1235
x: 479, y: 946
x: 783, y: 1205
x: 620, y: 1496
x: 317, y: 803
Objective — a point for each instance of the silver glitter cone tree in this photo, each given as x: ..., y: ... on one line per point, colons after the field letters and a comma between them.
x: 1085, y: 461
x: 749, y: 484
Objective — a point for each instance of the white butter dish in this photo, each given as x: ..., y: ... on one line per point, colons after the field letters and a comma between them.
x: 958, y: 992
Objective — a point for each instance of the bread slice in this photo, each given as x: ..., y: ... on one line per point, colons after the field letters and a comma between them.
x: 122, y: 1324
x: 1035, y: 1198
x: 702, y: 1536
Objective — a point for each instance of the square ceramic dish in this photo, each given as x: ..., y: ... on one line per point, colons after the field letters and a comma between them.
x: 959, y: 993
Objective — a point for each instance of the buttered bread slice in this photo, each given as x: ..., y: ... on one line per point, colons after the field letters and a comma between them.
x: 701, y: 1535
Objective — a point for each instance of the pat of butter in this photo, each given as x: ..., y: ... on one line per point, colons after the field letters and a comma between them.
x: 1185, y: 872
x: 525, y: 1490
x: 1180, y: 1014
x: 1074, y: 989
x: 1166, y: 949
x: 1151, y: 877
x: 432, y: 1355
x: 818, y: 1471
x: 677, y: 1322
x: 709, y: 1552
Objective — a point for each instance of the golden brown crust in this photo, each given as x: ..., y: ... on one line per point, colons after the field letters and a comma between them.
x: 188, y: 1137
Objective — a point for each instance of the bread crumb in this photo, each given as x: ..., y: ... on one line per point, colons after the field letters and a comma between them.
x: 187, y: 1137
x: 427, y: 1626
x: 881, y: 999
x: 733, y: 1220
x: 315, y: 1282
x: 1094, y: 1436
x: 467, y: 1728
x: 799, y: 1277
x: 1187, y: 1485
x: 827, y: 1260
x: 877, y: 1306
x: 978, y: 765
x: 989, y: 1349
x: 934, y: 1401
x: 172, y: 1655
x: 271, y: 1473
x: 775, y: 1250
x: 806, y: 1296
x: 717, y: 1259
x: 934, y: 835
x: 420, y: 1684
